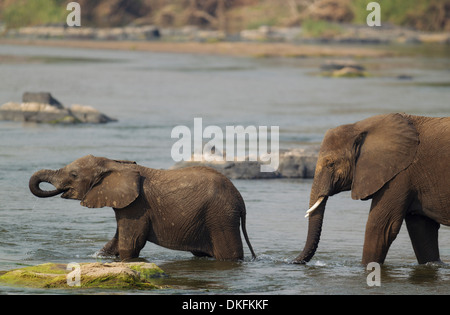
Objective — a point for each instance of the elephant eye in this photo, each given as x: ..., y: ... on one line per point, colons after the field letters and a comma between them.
x: 73, y: 175
x: 331, y: 164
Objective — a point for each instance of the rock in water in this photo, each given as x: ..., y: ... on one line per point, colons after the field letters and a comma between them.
x: 35, y: 112
x: 43, y: 108
x: 342, y: 69
x: 89, y: 114
x: 116, y: 275
x: 299, y: 162
x: 293, y: 163
x: 42, y: 98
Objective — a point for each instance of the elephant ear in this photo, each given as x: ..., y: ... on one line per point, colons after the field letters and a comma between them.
x: 117, y: 189
x: 387, y: 145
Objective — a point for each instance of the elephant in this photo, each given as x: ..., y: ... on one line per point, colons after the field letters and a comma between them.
x: 399, y: 161
x: 194, y: 209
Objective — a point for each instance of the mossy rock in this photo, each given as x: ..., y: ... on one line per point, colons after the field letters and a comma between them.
x: 133, y: 275
x: 65, y: 120
x: 346, y: 72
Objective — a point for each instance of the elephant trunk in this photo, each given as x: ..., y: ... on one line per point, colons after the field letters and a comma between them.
x: 43, y: 176
x: 317, y: 208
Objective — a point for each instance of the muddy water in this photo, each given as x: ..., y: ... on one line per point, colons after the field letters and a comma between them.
x: 150, y: 94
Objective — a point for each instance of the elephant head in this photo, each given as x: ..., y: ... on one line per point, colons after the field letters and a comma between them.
x: 97, y: 182
x: 361, y: 157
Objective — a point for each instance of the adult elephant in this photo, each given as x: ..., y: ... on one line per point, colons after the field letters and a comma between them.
x: 193, y: 209
x: 399, y: 161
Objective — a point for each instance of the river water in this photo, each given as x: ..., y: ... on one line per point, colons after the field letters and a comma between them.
x: 150, y: 94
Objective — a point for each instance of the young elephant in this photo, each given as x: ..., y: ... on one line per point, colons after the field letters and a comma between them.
x: 194, y: 209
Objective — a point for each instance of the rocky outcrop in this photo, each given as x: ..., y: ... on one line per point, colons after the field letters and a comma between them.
x: 299, y: 163
x: 88, y: 114
x: 116, y: 275
x: 294, y: 163
x: 43, y: 108
x: 345, y: 34
x: 147, y: 32
x: 342, y: 34
x: 41, y: 97
x: 342, y: 69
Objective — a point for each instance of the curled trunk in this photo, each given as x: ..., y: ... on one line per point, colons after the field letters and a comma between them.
x: 39, y: 177
x: 314, y: 228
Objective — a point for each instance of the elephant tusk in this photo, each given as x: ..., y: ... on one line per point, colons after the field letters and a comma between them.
x: 314, y: 207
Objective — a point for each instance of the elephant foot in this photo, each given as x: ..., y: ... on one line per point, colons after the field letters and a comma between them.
x: 110, y: 249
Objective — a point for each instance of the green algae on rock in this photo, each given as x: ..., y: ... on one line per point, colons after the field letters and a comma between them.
x: 42, y: 107
x: 116, y: 275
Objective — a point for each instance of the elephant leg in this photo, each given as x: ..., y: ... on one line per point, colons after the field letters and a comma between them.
x: 130, y: 243
x: 385, y: 220
x: 423, y: 233
x: 112, y: 247
x: 227, y: 245
x: 132, y: 231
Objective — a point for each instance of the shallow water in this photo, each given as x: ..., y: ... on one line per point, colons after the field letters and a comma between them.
x: 150, y: 94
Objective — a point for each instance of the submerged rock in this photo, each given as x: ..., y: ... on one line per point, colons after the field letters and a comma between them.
x: 233, y: 169
x: 89, y: 114
x: 144, y: 32
x: 42, y: 98
x: 116, y: 275
x: 299, y: 163
x: 294, y: 163
x: 43, y: 108
x: 343, y: 69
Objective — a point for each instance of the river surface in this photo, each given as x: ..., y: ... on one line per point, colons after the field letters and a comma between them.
x: 150, y: 94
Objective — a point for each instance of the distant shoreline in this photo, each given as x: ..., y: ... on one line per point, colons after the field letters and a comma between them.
x: 241, y: 49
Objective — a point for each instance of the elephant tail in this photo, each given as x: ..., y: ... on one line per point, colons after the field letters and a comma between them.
x: 244, y: 231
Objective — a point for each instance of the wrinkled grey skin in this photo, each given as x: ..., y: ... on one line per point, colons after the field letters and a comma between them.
x: 399, y: 161
x: 193, y: 209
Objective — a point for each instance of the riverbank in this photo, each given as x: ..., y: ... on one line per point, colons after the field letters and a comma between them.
x: 243, y: 49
